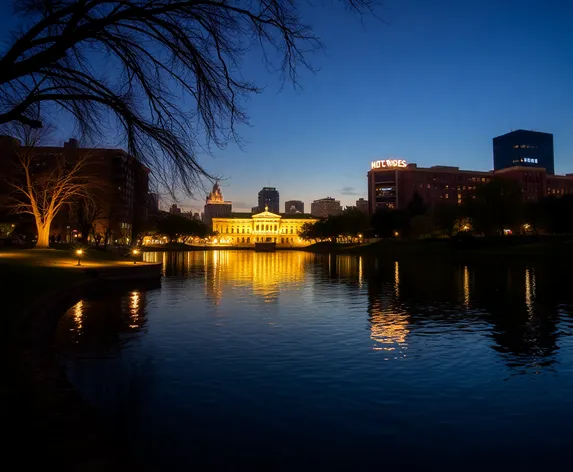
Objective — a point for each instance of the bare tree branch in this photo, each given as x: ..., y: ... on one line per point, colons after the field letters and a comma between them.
x: 166, y: 72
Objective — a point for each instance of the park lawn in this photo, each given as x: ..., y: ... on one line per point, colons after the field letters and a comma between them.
x: 27, y: 274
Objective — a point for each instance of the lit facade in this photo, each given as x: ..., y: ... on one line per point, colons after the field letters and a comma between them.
x: 246, y: 229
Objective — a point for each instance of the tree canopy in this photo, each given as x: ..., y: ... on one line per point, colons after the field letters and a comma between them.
x: 177, y: 227
x: 165, y: 74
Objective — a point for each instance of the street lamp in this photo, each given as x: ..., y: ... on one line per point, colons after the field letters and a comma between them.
x: 135, y: 252
x: 79, y: 253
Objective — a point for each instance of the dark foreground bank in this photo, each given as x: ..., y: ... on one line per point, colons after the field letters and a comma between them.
x: 41, y: 409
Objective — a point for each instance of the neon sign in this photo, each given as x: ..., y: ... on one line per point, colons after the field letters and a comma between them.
x: 388, y: 163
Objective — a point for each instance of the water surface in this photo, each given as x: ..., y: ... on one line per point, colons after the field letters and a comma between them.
x: 290, y: 361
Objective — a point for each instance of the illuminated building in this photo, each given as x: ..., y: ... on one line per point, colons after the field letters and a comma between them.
x: 246, y: 229
x: 269, y: 197
x: 216, y: 206
x: 325, y: 207
x: 394, y: 186
x: 121, y: 197
x: 530, y: 149
x: 294, y: 206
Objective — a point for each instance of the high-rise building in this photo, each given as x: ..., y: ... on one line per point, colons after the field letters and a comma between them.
x: 175, y: 210
x: 269, y: 197
x: 294, y: 206
x: 153, y: 203
x: 362, y: 205
x: 255, y: 209
x: 216, y: 206
x: 325, y: 207
x: 523, y: 148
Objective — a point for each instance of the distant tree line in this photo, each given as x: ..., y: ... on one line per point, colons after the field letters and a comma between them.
x: 497, y: 206
x: 176, y: 228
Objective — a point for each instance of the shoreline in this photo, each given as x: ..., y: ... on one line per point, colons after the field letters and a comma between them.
x: 42, y: 405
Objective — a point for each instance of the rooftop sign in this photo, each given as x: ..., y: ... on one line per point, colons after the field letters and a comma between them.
x: 388, y: 163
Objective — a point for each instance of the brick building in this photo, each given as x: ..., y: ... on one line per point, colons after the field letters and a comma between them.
x: 394, y: 187
x: 120, y: 198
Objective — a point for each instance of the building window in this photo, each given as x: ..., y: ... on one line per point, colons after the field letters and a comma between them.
x: 248, y: 240
x: 282, y: 240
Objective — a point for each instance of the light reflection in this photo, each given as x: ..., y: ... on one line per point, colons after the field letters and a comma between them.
x: 134, y: 303
x: 396, y: 279
x: 265, y: 274
x: 78, y: 315
x: 389, y: 329
x: 360, y: 272
x: 529, y: 290
x: 466, y: 287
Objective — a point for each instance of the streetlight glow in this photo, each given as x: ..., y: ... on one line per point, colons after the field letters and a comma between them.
x: 135, y: 252
x: 79, y: 253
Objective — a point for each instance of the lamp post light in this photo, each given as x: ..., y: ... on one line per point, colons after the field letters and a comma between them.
x: 135, y: 252
x: 79, y: 253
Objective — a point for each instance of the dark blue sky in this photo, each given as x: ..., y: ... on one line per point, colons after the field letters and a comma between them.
x: 433, y: 84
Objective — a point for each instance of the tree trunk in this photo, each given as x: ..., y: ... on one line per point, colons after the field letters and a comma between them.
x: 43, y: 235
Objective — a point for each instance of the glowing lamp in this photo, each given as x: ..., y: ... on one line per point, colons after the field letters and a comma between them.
x: 135, y: 252
x: 79, y: 253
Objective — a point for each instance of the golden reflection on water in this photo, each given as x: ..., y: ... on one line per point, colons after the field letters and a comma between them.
x: 529, y: 290
x: 134, y: 302
x: 78, y: 311
x: 396, y: 279
x: 265, y: 274
x: 389, y: 323
x: 466, y: 287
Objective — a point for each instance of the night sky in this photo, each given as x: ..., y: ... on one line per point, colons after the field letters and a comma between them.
x: 433, y: 84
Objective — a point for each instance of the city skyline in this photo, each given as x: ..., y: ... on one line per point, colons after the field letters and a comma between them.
x: 433, y: 85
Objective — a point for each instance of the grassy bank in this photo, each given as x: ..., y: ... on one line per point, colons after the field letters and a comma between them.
x: 29, y: 274
x: 550, y: 247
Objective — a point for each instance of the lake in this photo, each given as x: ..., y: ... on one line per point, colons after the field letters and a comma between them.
x: 291, y: 360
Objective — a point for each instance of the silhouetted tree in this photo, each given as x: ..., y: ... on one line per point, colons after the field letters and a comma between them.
x: 445, y: 216
x: 162, y: 73
x: 386, y: 222
x: 498, y: 204
x: 178, y: 228
x: 557, y: 214
x: 416, y: 206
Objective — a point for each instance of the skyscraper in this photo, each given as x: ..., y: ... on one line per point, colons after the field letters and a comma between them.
x: 523, y: 148
x: 269, y: 197
x: 294, y: 206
